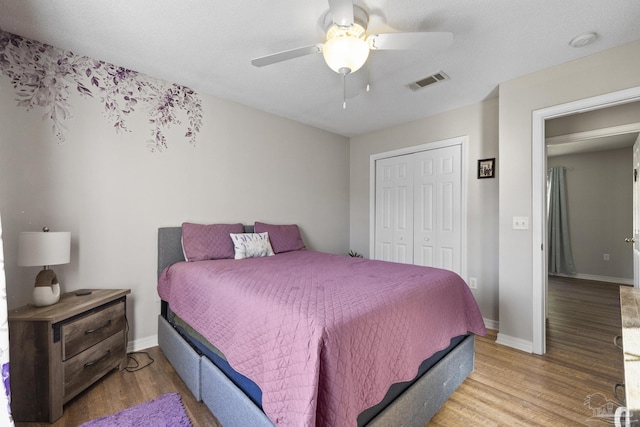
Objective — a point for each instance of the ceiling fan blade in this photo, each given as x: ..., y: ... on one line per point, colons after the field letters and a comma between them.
x: 410, y: 41
x: 341, y: 12
x: 286, y: 55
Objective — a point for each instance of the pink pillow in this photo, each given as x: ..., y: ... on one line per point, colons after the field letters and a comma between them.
x: 284, y: 238
x: 213, y: 241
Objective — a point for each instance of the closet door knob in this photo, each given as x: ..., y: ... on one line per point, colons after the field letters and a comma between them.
x: 630, y: 240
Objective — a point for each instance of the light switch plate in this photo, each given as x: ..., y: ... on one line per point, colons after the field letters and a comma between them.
x: 520, y: 222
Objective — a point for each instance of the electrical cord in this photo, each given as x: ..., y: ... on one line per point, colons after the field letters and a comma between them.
x: 138, y: 365
x: 132, y: 355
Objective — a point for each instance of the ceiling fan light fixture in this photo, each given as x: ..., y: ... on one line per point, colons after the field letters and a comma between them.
x: 345, y: 50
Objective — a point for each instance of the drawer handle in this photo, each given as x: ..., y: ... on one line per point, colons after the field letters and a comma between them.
x: 91, y: 331
x: 615, y: 392
x: 90, y: 364
x: 615, y: 341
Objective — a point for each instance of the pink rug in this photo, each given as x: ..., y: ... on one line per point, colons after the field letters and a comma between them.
x: 164, y: 411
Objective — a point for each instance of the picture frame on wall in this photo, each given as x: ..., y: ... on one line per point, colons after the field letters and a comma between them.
x: 486, y: 168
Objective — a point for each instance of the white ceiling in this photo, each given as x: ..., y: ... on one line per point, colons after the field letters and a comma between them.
x: 208, y: 45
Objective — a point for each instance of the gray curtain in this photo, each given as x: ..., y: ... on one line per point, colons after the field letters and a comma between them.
x: 559, y: 243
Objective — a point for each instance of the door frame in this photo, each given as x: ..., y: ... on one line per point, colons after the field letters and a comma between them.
x: 538, y: 202
x: 636, y: 214
x: 462, y: 141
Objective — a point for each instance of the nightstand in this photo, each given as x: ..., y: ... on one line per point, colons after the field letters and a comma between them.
x: 58, y: 351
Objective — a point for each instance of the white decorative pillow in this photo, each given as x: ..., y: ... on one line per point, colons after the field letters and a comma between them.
x: 251, y: 245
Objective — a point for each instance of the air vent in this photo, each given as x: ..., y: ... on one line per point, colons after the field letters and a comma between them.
x: 428, y: 81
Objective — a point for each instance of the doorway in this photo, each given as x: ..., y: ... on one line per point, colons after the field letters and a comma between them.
x: 597, y: 166
x: 427, y: 230
x: 418, y: 201
x: 539, y: 167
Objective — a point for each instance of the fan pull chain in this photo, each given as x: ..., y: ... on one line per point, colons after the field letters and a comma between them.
x: 368, y: 75
x: 344, y: 91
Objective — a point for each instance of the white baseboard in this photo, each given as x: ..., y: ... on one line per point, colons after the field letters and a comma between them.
x: 142, y: 343
x: 513, y: 342
x: 491, y: 324
x: 619, y: 280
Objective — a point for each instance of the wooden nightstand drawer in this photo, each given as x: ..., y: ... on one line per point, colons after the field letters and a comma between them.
x: 91, y: 364
x: 59, y: 350
x: 80, y: 334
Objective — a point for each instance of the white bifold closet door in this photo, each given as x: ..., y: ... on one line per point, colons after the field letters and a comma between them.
x: 394, y: 209
x: 418, y: 208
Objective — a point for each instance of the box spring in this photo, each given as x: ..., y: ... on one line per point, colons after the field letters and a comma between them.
x: 232, y: 407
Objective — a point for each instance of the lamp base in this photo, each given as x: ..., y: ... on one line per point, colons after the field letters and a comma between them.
x: 46, y: 295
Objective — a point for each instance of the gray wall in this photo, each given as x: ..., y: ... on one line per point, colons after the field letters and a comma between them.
x: 480, y: 123
x: 600, y: 205
x: 519, y: 98
x: 112, y: 193
x: 593, y: 120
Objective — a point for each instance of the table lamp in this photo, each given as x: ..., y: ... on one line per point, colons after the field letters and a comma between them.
x: 44, y: 248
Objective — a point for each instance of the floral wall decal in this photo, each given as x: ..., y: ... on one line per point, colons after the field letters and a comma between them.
x: 44, y: 76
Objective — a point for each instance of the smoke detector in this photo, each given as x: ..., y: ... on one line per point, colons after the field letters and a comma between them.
x: 583, y: 39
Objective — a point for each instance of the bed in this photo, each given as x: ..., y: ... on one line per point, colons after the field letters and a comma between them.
x: 299, y: 338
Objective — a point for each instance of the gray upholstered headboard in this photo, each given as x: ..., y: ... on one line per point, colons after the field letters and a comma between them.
x: 170, y: 245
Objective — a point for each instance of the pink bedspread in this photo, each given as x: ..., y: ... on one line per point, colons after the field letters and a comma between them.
x: 324, y: 336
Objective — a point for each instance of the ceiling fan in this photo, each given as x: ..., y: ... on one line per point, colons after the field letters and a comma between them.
x: 347, y: 46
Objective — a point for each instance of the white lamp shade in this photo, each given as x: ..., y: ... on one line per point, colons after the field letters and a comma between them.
x: 345, y: 53
x: 39, y: 248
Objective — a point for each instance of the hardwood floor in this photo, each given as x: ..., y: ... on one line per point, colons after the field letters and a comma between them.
x: 512, y: 388
x: 119, y: 390
x: 507, y: 388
